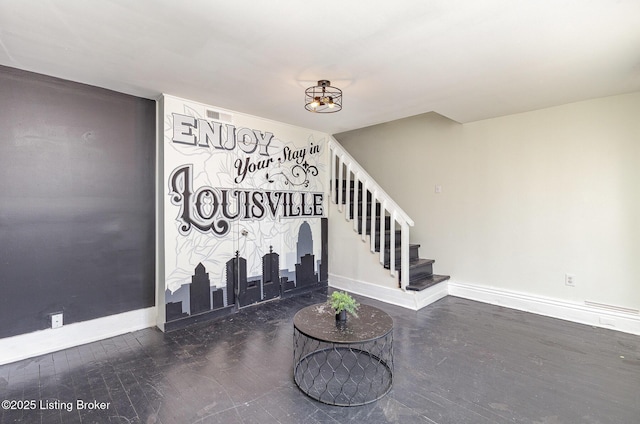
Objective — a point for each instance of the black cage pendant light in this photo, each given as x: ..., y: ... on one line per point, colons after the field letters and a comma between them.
x: 323, y: 98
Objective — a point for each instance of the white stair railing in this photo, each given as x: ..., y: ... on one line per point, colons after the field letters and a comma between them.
x: 346, y: 171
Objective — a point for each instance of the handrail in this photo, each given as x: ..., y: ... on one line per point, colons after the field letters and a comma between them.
x: 345, y: 170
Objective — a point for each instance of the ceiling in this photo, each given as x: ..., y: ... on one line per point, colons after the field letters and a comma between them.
x: 464, y: 59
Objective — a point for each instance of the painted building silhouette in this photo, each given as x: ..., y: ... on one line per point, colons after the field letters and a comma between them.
x: 199, y: 291
x: 200, y: 297
x: 270, y: 275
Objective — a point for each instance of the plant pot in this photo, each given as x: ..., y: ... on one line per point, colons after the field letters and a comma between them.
x: 341, y: 316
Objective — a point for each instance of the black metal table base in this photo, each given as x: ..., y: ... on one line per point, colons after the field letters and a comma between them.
x: 343, y: 374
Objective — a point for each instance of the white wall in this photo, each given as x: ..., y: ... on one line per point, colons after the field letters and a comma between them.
x: 350, y: 257
x: 525, y: 198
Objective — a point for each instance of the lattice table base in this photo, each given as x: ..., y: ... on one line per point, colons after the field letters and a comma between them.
x: 343, y: 374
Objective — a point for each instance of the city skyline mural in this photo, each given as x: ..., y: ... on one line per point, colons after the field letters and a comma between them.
x: 244, y: 209
x: 241, y: 289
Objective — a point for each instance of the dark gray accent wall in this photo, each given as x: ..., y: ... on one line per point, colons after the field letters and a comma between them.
x: 77, y: 166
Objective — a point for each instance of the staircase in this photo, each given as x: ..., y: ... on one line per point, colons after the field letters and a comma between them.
x: 421, y: 274
x: 376, y: 215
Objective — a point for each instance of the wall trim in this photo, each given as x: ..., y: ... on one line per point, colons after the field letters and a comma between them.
x: 626, y: 322
x: 29, y: 345
x: 413, y: 300
x: 569, y: 311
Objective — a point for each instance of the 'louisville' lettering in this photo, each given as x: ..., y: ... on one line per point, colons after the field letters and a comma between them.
x: 209, y: 209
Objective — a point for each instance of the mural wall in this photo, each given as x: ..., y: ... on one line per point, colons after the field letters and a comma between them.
x: 244, y: 210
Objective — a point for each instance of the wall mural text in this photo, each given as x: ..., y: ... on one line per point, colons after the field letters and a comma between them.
x: 209, y: 209
x: 207, y: 134
x: 219, y: 135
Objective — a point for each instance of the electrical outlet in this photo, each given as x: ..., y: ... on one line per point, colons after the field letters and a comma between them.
x: 438, y: 188
x: 56, y: 320
x: 570, y: 280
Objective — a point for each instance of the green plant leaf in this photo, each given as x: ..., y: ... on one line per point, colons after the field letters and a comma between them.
x: 340, y: 301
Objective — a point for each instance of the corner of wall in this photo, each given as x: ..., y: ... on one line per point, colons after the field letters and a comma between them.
x: 160, y: 300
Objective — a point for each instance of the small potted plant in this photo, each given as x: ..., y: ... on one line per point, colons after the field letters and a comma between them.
x: 342, y: 303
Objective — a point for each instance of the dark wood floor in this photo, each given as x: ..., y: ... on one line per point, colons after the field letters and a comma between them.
x: 456, y: 361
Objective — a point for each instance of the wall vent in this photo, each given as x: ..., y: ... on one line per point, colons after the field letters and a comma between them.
x: 218, y: 116
x: 612, y: 308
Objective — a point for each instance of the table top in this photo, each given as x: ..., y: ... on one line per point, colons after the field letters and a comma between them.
x: 319, y: 322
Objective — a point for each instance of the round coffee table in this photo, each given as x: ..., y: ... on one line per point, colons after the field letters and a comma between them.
x: 343, y: 364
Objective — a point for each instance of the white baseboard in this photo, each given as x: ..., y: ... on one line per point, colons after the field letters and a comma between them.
x: 413, y: 300
x: 575, y: 312
x: 41, y: 342
x: 626, y: 322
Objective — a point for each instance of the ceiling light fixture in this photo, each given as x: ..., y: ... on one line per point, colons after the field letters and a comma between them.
x: 323, y: 98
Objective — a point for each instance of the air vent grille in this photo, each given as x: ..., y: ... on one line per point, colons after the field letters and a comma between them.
x: 218, y: 116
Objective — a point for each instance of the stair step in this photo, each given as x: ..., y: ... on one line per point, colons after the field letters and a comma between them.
x: 418, y: 269
x: 368, y: 221
x: 352, y: 191
x: 352, y: 194
x: 352, y: 186
x: 427, y: 282
x: 359, y: 209
x: 387, y: 239
x: 387, y: 219
x: 413, y: 255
